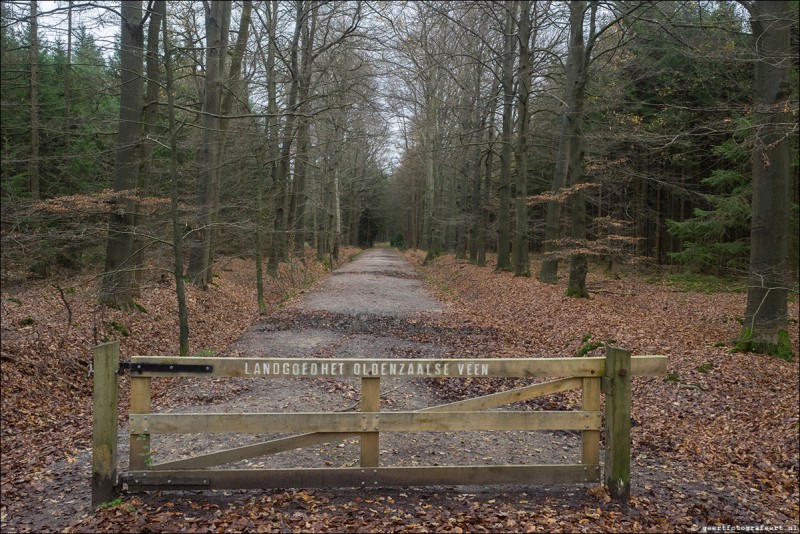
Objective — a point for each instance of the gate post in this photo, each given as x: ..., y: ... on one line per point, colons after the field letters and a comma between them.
x: 617, y: 387
x: 104, y: 422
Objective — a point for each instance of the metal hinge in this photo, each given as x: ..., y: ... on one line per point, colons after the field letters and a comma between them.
x: 164, y: 368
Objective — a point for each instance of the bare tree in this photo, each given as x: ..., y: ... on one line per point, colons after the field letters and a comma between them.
x: 33, y: 167
x: 506, y: 150
x: 160, y: 9
x: 765, y: 323
x: 149, y: 116
x: 116, y: 286
x: 280, y: 236
x: 521, y: 262
x: 217, y: 24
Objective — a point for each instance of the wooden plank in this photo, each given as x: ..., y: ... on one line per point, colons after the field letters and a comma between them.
x: 402, y: 368
x: 104, y: 422
x: 141, y: 455
x: 258, y: 423
x: 648, y: 366
x: 590, y: 439
x: 618, y: 424
x: 370, y: 403
x: 508, y: 397
x: 362, y: 477
x: 306, y: 440
x: 252, y: 451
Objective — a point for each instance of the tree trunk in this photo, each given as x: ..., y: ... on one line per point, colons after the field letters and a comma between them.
x: 272, y: 131
x: 280, y: 238
x: 765, y: 324
x: 476, y: 200
x: 68, y: 79
x: 549, y: 269
x: 462, y: 204
x: 483, y: 226
x: 262, y: 306
x: 430, y: 232
x: 177, y: 236
x: 200, y: 258
x: 33, y: 167
x: 578, y: 263
x: 504, y: 186
x: 116, y: 284
x: 299, y: 192
x: 521, y: 262
x: 147, y: 146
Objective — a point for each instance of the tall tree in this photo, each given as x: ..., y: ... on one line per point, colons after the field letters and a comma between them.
x: 765, y: 323
x: 217, y: 24
x: 578, y: 264
x: 506, y: 150
x: 116, y: 283
x: 149, y: 116
x: 159, y: 9
x: 33, y: 167
x: 521, y: 262
x: 280, y: 236
x: 569, y: 138
x: 297, y: 209
x: 569, y: 167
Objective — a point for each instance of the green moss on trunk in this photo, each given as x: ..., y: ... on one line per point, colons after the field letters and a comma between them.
x: 782, y: 348
x: 577, y: 293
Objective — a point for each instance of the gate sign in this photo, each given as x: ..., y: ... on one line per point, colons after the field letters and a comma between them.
x: 388, y: 367
x: 365, y: 368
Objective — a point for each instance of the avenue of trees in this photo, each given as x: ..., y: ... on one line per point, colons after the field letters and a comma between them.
x: 150, y: 137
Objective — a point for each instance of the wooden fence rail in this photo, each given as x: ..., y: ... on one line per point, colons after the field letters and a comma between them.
x: 610, y: 375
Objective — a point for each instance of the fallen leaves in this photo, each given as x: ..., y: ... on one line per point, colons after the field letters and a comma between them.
x: 724, y: 453
x: 46, y: 383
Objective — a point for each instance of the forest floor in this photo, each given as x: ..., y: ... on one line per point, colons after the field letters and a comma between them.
x: 715, y: 442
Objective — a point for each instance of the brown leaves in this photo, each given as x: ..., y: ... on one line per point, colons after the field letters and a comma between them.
x: 716, y: 442
x: 46, y: 386
x: 105, y: 201
x: 721, y: 420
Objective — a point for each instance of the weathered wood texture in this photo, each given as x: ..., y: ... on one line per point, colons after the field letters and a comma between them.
x: 305, y: 440
x: 370, y: 402
x: 362, y: 477
x: 257, y: 449
x: 408, y: 368
x: 590, y: 439
x: 618, y: 423
x: 140, y: 407
x: 612, y: 374
x: 104, y: 422
x: 258, y: 423
x: 508, y: 397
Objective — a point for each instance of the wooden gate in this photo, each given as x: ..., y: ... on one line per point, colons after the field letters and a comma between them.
x: 610, y: 374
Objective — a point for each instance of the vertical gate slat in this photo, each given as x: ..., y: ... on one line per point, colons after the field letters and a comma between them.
x: 370, y: 402
x: 140, y: 404
x: 590, y: 439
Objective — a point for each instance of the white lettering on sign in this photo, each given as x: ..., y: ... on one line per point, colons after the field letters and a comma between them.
x: 367, y: 368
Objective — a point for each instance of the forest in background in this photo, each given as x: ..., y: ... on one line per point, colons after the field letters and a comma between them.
x: 147, y: 139
x: 240, y: 149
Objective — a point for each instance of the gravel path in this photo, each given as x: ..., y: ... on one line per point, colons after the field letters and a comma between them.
x: 368, y: 308
x: 374, y: 307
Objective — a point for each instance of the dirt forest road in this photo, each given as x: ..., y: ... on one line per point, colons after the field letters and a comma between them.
x: 376, y: 306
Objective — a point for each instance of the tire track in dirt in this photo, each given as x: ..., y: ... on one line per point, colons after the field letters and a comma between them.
x: 374, y: 307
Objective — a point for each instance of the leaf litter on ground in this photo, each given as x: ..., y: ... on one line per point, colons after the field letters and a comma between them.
x: 714, y: 443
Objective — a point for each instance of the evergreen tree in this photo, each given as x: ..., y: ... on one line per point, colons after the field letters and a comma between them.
x: 717, y: 238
